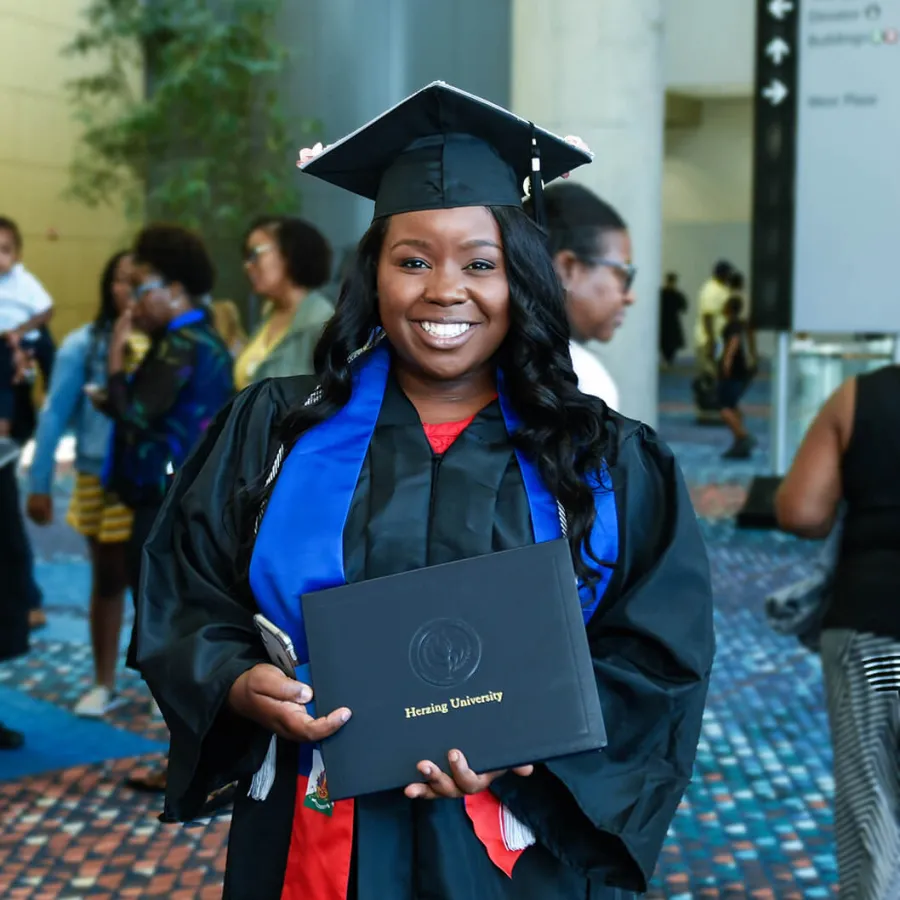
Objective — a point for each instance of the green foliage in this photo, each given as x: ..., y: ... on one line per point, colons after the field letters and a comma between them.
x: 200, y: 139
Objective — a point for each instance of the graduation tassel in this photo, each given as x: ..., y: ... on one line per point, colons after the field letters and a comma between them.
x: 516, y: 835
x: 264, y: 777
x: 537, y: 184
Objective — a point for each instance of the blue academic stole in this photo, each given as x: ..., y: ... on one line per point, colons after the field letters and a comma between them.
x: 300, y: 544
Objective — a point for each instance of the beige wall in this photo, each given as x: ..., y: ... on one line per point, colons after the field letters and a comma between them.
x: 575, y: 75
x: 710, y: 46
x: 707, y: 195
x: 709, y: 169
x: 37, y: 136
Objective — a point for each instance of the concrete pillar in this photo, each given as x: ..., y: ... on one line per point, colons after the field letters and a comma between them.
x: 356, y: 58
x: 595, y: 68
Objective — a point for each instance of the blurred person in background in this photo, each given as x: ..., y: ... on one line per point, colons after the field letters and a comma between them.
x: 25, y: 308
x: 591, y: 251
x: 226, y: 319
x: 707, y: 332
x: 105, y: 522
x: 737, y: 366
x: 672, y: 305
x: 15, y: 562
x: 711, y: 315
x: 848, y: 464
x: 287, y: 260
x: 161, y: 411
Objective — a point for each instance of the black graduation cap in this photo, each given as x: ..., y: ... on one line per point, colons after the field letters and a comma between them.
x: 442, y: 148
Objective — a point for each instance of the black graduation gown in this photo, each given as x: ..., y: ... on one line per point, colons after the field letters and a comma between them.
x: 600, y: 819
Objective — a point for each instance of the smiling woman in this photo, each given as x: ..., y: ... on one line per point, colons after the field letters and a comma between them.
x: 444, y: 423
x: 444, y: 302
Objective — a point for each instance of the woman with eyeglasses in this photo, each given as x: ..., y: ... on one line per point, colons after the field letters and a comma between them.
x: 287, y: 260
x: 591, y: 251
x: 161, y: 411
x: 102, y: 519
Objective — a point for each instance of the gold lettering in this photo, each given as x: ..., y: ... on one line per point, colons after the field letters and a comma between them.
x: 453, y: 703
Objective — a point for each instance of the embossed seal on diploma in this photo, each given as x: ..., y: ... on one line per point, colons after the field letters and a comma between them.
x: 445, y: 652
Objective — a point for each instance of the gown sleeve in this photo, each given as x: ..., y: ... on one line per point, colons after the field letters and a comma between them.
x: 607, y: 813
x: 195, y: 632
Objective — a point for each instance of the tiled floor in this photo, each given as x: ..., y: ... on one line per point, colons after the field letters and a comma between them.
x: 756, y: 822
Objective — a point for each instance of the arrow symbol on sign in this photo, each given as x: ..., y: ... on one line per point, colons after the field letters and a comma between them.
x: 776, y: 93
x: 777, y: 50
x: 780, y: 8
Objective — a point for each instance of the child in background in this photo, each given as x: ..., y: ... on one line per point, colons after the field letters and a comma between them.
x: 25, y: 307
x: 737, y: 366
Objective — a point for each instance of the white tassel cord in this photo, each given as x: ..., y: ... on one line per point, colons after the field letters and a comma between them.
x: 516, y: 835
x: 262, y: 781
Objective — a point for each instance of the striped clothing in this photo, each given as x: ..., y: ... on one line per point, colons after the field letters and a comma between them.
x: 865, y: 729
x: 94, y: 513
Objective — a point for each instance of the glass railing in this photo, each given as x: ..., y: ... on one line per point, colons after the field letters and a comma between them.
x: 818, y: 365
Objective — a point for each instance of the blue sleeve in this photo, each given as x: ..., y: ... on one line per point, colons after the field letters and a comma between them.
x: 64, y: 395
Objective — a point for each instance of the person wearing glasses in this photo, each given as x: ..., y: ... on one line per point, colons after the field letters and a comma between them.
x: 591, y: 250
x: 287, y: 260
x: 161, y: 410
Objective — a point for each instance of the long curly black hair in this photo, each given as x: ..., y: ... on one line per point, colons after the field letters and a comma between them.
x: 566, y: 432
x: 108, y: 312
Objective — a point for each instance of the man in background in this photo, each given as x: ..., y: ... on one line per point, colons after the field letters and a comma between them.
x: 737, y: 366
x: 707, y: 334
x: 711, y: 314
x: 672, y: 305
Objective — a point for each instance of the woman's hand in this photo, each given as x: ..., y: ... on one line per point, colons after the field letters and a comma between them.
x: 97, y: 395
x: 39, y: 508
x: 117, y: 343
x: 461, y: 780
x: 122, y: 329
x: 308, y: 154
x: 268, y: 697
x: 576, y: 141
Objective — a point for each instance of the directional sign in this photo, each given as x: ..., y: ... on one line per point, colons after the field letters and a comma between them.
x: 778, y: 50
x: 777, y: 53
x: 848, y: 143
x: 780, y: 8
x: 776, y: 93
x: 827, y: 141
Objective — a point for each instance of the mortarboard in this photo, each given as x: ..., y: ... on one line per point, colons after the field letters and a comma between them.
x: 442, y: 148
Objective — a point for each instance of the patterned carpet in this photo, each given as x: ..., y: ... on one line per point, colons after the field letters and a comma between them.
x: 756, y: 822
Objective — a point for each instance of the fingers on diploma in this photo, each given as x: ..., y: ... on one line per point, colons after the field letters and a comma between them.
x: 304, y: 728
x: 466, y: 780
x: 437, y: 784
